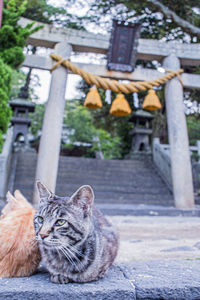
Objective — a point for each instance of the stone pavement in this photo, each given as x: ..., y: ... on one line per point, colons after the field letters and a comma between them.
x: 126, y: 281
x: 149, y: 238
x: 159, y: 258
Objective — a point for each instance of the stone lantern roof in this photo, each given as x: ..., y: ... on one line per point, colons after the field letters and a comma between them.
x: 22, y: 103
x: 141, y: 114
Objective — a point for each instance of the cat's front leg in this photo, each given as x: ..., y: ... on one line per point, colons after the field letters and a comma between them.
x: 58, y: 278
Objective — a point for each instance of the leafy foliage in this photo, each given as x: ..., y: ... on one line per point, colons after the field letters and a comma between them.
x: 80, y: 124
x: 12, y: 40
x: 37, y: 119
x: 13, y: 36
x: 18, y: 79
x: 111, y: 147
x: 79, y: 121
x: 42, y: 11
x: 5, y: 86
x: 155, y: 25
x: 193, y: 123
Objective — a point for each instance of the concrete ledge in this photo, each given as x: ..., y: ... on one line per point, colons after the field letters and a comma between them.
x: 127, y: 281
x: 112, y: 286
x: 165, y: 279
x: 147, y: 210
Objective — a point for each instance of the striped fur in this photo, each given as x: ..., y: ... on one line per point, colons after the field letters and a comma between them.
x: 77, y: 242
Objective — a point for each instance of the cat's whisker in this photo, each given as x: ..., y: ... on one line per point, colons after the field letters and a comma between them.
x: 79, y: 253
x: 52, y: 243
x: 73, y: 249
x: 55, y: 241
x: 74, y: 255
x: 67, y: 255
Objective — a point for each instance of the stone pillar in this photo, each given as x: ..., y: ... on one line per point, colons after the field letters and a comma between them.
x: 49, y: 148
x: 198, y: 150
x: 178, y: 139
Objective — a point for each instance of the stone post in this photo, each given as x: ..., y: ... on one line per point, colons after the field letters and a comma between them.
x: 49, y: 148
x: 198, y: 150
x: 178, y: 139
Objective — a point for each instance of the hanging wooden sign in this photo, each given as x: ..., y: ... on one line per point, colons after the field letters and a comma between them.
x: 123, y: 46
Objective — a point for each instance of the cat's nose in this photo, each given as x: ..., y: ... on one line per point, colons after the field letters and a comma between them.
x: 43, y: 235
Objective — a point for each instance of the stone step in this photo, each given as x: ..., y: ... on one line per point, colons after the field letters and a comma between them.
x: 112, y: 189
x: 87, y: 163
x: 97, y: 170
x: 142, y: 195
x: 108, y: 179
x: 136, y: 181
x: 113, y: 181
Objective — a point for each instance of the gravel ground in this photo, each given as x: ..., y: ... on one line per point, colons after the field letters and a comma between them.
x: 154, y: 238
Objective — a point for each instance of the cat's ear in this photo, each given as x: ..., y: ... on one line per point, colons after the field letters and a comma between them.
x: 23, y: 202
x: 11, y: 204
x: 44, y: 193
x: 83, y: 198
x: 18, y: 195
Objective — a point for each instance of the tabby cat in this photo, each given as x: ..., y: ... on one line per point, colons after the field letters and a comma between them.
x: 77, y: 242
x: 19, y: 252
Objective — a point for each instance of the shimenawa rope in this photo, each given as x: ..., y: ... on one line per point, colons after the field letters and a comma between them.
x: 114, y: 85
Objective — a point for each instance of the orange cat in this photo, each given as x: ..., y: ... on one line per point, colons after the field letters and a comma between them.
x: 19, y: 252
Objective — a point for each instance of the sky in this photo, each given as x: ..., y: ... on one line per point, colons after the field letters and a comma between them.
x: 42, y: 91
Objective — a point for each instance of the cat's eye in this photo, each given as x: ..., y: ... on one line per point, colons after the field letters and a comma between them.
x: 40, y: 219
x: 60, y: 222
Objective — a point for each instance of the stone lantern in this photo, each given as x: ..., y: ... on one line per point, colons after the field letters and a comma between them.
x: 141, y: 132
x: 20, y: 121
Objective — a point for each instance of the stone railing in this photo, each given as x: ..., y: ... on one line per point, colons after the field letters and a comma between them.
x: 5, y: 163
x: 162, y: 160
x: 196, y: 167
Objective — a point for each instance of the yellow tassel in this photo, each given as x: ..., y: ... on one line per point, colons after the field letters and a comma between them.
x: 151, y: 101
x: 120, y: 106
x: 93, y: 99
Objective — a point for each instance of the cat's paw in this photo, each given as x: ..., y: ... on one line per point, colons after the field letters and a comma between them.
x: 58, y: 278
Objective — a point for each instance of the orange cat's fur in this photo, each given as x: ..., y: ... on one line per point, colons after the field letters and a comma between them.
x: 19, y: 253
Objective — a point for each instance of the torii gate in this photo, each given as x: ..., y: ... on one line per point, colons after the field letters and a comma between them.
x: 173, y: 54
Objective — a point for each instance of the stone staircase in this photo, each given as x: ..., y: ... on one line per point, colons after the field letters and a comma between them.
x: 114, y: 181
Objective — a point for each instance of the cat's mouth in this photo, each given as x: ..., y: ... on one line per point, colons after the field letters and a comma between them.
x: 50, y: 243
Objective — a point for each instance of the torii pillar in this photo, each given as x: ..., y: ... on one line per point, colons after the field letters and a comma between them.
x: 178, y: 139
x: 49, y: 148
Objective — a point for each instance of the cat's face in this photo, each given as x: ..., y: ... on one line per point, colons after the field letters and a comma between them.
x: 63, y: 221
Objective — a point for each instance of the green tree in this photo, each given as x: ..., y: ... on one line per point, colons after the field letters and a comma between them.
x: 12, y: 40
x: 37, y: 119
x: 193, y: 123
x: 171, y: 19
x: 42, y: 11
x: 80, y: 123
x: 5, y: 86
x: 13, y: 36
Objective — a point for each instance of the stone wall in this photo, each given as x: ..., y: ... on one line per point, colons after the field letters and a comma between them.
x: 5, y: 163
